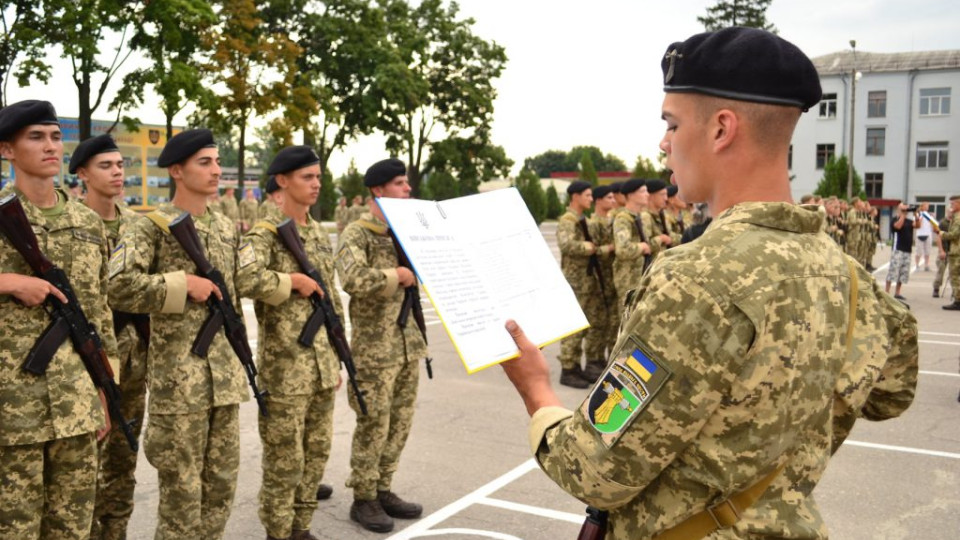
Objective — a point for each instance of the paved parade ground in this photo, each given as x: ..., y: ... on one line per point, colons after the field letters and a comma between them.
x: 468, y: 461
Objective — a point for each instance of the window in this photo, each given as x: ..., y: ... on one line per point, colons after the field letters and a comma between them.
x: 876, y: 138
x: 932, y: 155
x: 824, y: 154
x: 790, y: 158
x: 828, y: 106
x: 877, y: 104
x: 873, y: 185
x: 934, y: 101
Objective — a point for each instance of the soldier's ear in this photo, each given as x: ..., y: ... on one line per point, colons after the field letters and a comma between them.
x: 6, y: 150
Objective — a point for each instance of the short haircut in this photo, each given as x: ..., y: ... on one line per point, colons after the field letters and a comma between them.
x: 770, y: 126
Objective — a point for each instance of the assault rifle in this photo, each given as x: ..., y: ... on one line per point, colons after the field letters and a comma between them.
x: 140, y: 322
x: 67, y: 320
x: 594, y: 525
x: 411, y: 301
x: 222, y: 312
x: 638, y: 223
x: 323, y: 312
x: 593, y: 266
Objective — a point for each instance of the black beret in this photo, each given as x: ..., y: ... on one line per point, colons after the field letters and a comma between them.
x: 672, y: 191
x: 272, y: 185
x: 292, y: 158
x: 632, y: 185
x: 578, y: 186
x: 615, y: 187
x: 600, y: 192
x: 185, y: 144
x: 25, y: 113
x: 72, y: 184
x: 384, y: 171
x: 656, y: 185
x: 89, y: 148
x: 745, y: 64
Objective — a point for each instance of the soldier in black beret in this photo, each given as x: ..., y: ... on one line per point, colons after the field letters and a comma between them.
x: 274, y: 195
x: 578, y: 186
x: 618, y: 197
x: 656, y: 203
x: 25, y: 113
x: 601, y: 225
x: 678, y: 217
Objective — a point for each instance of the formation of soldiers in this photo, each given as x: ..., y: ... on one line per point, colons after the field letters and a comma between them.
x: 145, y: 285
x: 854, y: 226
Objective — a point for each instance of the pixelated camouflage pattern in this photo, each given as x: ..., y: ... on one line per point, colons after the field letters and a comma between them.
x: 48, y: 489
x: 249, y: 210
x: 751, y: 320
x: 628, y: 263
x: 356, y: 211
x: 341, y: 216
x: 574, y: 261
x: 609, y: 319
x: 658, y: 227
x: 63, y: 402
x: 179, y: 381
x: 230, y: 208
x: 952, y: 235
x: 197, y: 456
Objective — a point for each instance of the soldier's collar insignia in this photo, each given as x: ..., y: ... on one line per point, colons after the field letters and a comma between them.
x: 630, y: 383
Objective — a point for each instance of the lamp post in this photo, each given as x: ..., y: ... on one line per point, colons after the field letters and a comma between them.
x: 853, y: 114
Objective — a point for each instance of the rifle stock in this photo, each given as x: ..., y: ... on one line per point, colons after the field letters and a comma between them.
x: 411, y: 301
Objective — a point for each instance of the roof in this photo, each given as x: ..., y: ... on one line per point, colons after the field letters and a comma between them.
x: 866, y: 62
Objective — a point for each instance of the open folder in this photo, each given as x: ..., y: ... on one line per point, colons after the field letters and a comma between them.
x: 482, y: 260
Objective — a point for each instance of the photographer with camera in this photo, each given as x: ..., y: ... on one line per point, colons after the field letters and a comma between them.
x: 903, y: 233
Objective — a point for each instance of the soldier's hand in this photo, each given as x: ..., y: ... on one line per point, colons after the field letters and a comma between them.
x: 644, y: 248
x: 339, y: 381
x: 29, y: 290
x: 105, y: 430
x: 304, y: 285
x: 199, y: 289
x: 665, y: 240
x: 529, y: 373
x: 406, y: 277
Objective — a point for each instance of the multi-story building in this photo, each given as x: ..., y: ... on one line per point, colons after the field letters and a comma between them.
x: 904, y: 125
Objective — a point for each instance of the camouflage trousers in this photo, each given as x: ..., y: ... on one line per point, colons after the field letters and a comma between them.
x: 626, y: 277
x: 197, y: 456
x: 591, y: 339
x: 954, y: 262
x: 118, y: 463
x: 390, y: 394
x: 296, y: 440
x: 47, y: 489
x: 941, y: 273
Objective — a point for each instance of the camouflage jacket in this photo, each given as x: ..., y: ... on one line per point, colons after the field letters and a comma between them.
x: 148, y: 275
x: 602, y: 230
x: 63, y: 402
x: 952, y: 235
x: 367, y: 263
x: 286, y: 367
x: 229, y: 208
x: 575, y: 251
x: 629, y: 261
x: 128, y: 341
x: 733, y: 361
x: 248, y: 211
x: 658, y: 222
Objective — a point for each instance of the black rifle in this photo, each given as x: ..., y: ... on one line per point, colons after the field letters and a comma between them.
x: 140, y: 321
x: 638, y: 223
x: 411, y: 301
x: 593, y: 266
x: 67, y: 320
x: 222, y: 312
x: 594, y: 526
x: 323, y: 312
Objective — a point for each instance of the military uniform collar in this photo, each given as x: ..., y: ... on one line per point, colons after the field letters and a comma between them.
x: 773, y: 215
x: 69, y: 219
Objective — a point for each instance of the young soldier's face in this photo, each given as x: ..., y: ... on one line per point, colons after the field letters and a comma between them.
x: 658, y: 200
x: 684, y: 144
x: 398, y: 188
x: 302, y: 186
x: 607, y: 202
x: 582, y: 200
x: 37, y: 150
x: 200, y: 173
x: 103, y: 173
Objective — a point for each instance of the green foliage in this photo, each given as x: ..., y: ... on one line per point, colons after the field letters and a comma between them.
x: 553, y: 161
x: 25, y: 25
x: 327, y: 202
x: 834, y: 181
x: 587, y: 172
x: 528, y: 184
x: 554, y: 206
x: 351, y: 183
x: 726, y: 13
x: 548, y: 162
x: 440, y: 186
x: 645, y: 168
x: 466, y: 161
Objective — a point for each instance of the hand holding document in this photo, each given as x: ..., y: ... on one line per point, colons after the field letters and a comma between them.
x: 482, y: 260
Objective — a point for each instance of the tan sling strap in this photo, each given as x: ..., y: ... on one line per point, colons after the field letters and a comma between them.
x: 161, y: 222
x: 266, y: 225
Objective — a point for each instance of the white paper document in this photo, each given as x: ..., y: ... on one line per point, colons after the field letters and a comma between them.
x: 482, y: 260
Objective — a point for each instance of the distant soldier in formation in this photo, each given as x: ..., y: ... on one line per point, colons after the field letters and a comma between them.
x: 952, y: 236
x: 601, y: 222
x: 249, y: 207
x: 632, y: 240
x: 356, y: 209
x: 229, y: 206
x: 677, y: 215
x: 943, y: 248
x: 274, y: 196
x: 661, y: 237
x: 618, y: 197
x: 834, y: 221
x: 341, y: 214
x: 872, y: 236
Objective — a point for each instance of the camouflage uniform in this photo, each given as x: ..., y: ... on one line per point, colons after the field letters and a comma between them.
x: 658, y: 227
x: 602, y: 230
x: 727, y: 368
x: 942, y: 264
x: 387, y: 357
x: 248, y: 213
x: 296, y: 436
x: 355, y: 212
x: 854, y: 234
x: 193, y: 434
x: 48, y: 452
x: 230, y: 209
x: 668, y: 222
x: 952, y: 235
x: 629, y: 263
x: 118, y: 463
x: 575, y: 254
x: 342, y: 216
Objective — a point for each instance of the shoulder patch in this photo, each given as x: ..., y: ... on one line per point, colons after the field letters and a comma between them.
x: 345, y: 258
x: 118, y: 260
x: 631, y: 381
x: 246, y: 255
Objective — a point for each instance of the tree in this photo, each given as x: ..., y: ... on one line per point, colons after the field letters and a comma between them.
x: 440, y: 186
x: 327, y: 201
x: 351, y: 183
x: 587, y: 172
x: 645, y: 169
x: 834, y: 181
x: 528, y: 184
x: 440, y: 76
x: 727, y: 13
x: 468, y: 161
x: 554, y: 206
x: 26, y: 25
x: 601, y: 161
x: 548, y: 162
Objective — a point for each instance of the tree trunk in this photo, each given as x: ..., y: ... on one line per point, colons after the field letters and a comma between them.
x: 241, y: 147
x: 84, y: 122
x: 173, y: 187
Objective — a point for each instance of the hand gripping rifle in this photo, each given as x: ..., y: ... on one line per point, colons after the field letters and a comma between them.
x: 638, y: 223
x: 222, y: 312
x: 323, y: 312
x: 411, y: 300
x: 67, y: 320
x: 593, y: 266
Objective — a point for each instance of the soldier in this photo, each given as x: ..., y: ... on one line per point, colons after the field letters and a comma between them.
x: 631, y: 239
x: 577, y: 253
x: 356, y: 209
x: 661, y: 239
x: 340, y: 215
x: 943, y: 247
x: 953, y: 256
x: 98, y: 162
x: 50, y: 422
x: 677, y: 216
x: 302, y: 380
x: 602, y: 230
x: 229, y: 206
x: 618, y: 198
x: 248, y: 210
x: 274, y: 197
x: 193, y: 433
x: 873, y: 236
x: 739, y: 367
x: 386, y: 355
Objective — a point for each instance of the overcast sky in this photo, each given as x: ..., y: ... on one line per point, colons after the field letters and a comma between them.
x: 582, y: 73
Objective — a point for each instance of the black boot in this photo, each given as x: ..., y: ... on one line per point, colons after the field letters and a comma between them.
x: 303, y: 535
x: 573, y: 378
x: 952, y: 307
x: 370, y: 515
x: 324, y: 492
x: 936, y: 293
x: 594, y: 370
x: 396, y: 507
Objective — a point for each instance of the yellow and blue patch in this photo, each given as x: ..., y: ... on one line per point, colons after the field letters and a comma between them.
x: 118, y: 260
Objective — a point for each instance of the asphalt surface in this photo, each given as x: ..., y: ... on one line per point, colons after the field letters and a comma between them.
x: 468, y: 462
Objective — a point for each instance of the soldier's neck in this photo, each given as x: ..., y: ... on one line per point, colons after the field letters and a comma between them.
x: 195, y: 203
x: 104, y: 206
x: 39, y: 191
x: 297, y: 212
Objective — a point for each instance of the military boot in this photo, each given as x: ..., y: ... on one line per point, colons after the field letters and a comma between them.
x: 324, y: 492
x: 275, y: 538
x: 303, y: 535
x: 396, y: 507
x: 370, y: 515
x: 594, y: 370
x: 952, y: 307
x: 936, y: 293
x: 573, y: 378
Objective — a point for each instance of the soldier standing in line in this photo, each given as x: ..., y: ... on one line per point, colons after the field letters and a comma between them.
x: 303, y: 380
x: 576, y: 254
x: 661, y: 239
x: 943, y: 248
x: 719, y: 413
x: 854, y: 222
x: 98, y: 162
x: 677, y: 216
x: 386, y: 355
x: 602, y: 230
x: 873, y: 235
x: 229, y: 207
x: 356, y: 209
x: 621, y: 201
x: 193, y: 434
x: 952, y: 236
x: 50, y: 422
x: 632, y: 232
x: 274, y: 196
x: 340, y: 214
x: 248, y: 210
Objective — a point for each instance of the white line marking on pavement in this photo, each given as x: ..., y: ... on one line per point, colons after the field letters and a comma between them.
x: 941, y: 373
x: 471, y: 532
x: 535, y: 510
x: 432, y: 323
x: 904, y: 449
x: 927, y: 341
x: 467, y: 500
x: 938, y: 334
